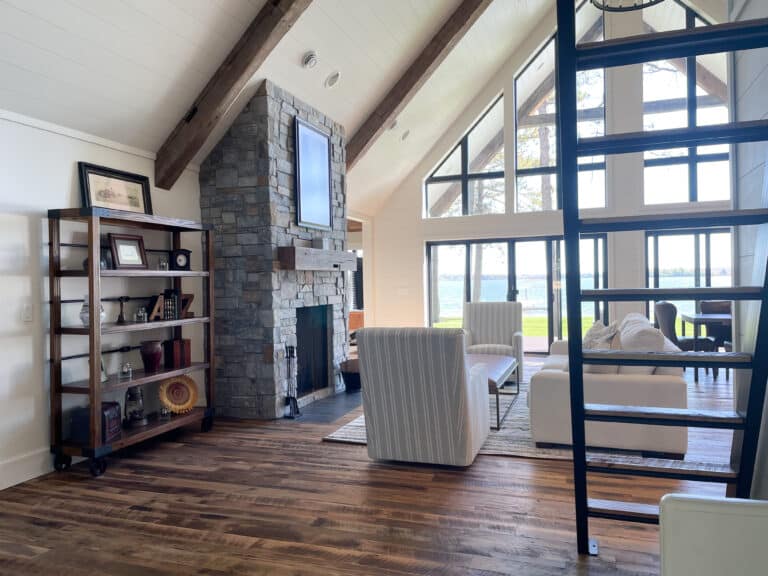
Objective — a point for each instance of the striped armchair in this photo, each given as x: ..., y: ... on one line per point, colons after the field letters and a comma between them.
x: 495, y: 328
x: 421, y: 402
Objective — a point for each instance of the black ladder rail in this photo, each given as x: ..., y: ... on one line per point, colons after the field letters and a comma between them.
x: 756, y: 400
x: 567, y: 182
x: 570, y: 58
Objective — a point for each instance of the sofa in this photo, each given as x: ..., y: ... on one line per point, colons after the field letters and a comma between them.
x: 422, y: 402
x: 549, y: 394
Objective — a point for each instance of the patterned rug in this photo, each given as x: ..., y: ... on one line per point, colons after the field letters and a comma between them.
x: 514, y: 438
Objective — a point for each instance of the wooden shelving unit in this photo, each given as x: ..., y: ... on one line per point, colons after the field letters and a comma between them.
x: 96, y: 219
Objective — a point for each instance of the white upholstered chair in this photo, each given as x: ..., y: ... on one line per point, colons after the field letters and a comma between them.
x: 495, y: 328
x: 712, y: 536
x: 421, y: 401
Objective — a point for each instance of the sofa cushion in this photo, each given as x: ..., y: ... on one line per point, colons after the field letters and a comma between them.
x: 493, y: 349
x: 638, y: 335
x: 669, y: 370
x: 555, y: 362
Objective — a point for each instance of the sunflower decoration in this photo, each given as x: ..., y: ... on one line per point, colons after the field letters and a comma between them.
x: 179, y: 395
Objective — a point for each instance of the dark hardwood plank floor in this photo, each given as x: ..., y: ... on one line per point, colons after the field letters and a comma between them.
x: 262, y: 498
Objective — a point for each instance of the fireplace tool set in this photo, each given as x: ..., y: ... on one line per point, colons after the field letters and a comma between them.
x: 290, y: 400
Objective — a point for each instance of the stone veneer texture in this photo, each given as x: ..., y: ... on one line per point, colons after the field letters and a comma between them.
x: 247, y: 193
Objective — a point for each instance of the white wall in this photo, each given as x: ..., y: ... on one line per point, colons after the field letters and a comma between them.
x: 398, y: 246
x: 38, y: 171
x: 751, y: 179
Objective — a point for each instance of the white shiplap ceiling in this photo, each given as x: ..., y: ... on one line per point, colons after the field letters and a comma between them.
x: 127, y: 70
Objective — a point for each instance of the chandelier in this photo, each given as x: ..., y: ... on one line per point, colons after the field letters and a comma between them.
x: 624, y: 5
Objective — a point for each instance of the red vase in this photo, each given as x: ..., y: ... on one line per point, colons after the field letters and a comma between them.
x: 151, y: 354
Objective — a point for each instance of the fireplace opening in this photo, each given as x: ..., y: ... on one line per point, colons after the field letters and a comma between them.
x: 314, y: 359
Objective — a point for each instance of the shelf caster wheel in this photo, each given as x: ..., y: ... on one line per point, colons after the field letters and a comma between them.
x: 62, y: 462
x: 97, y: 466
x: 207, y: 424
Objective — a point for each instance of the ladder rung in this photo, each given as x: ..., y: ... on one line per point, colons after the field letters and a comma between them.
x: 645, y: 294
x: 627, y: 511
x: 731, y: 36
x: 707, y: 219
x: 679, y: 359
x: 628, y: 142
x: 653, y: 415
x: 661, y: 468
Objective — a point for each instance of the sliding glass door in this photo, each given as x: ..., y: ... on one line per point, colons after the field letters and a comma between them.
x: 447, y: 291
x: 528, y: 270
x: 532, y: 281
x: 594, y: 275
x: 688, y: 259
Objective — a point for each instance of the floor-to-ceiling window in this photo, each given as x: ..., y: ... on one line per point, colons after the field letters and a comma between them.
x: 679, y: 93
x: 470, y: 180
x: 528, y: 270
x: 688, y: 259
x: 535, y: 114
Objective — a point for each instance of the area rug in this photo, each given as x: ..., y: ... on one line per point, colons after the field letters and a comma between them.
x: 514, y: 438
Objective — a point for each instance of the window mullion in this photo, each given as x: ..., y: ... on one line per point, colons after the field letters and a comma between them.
x: 464, y: 176
x: 690, y: 68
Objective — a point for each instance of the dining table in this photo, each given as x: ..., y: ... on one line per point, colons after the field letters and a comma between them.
x: 704, y: 319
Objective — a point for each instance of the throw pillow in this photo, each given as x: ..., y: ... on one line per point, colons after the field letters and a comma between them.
x: 637, y: 335
x: 613, y: 344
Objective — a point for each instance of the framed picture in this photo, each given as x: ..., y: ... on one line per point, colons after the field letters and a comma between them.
x: 313, y: 176
x: 127, y: 251
x: 103, y: 187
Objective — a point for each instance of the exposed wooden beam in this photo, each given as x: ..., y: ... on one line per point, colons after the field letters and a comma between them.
x: 414, y: 77
x: 270, y: 25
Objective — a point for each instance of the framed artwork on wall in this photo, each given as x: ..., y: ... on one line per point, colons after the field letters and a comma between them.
x: 313, y: 176
x: 103, y: 187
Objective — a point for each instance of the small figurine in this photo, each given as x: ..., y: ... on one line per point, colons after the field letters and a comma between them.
x: 121, y: 317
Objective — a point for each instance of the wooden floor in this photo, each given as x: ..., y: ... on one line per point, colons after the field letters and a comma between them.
x: 271, y: 498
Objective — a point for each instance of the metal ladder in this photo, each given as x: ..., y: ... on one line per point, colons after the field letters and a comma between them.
x: 634, y: 50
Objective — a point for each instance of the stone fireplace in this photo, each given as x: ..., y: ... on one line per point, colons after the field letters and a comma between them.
x: 247, y: 194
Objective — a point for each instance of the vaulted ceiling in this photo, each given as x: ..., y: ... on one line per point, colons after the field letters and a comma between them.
x: 128, y: 70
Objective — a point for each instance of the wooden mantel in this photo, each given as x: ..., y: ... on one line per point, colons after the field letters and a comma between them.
x: 304, y: 258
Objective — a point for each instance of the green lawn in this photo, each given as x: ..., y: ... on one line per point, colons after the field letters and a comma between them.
x: 532, y: 325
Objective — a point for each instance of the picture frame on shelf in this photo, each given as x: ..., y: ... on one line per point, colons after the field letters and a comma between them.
x: 128, y: 252
x: 103, y: 187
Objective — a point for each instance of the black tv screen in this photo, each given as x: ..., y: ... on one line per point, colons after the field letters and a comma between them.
x: 313, y: 176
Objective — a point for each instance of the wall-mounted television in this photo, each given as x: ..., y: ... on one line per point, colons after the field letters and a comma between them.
x: 313, y: 176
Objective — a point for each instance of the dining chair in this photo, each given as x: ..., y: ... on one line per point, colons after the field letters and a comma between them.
x: 720, y: 332
x: 666, y: 317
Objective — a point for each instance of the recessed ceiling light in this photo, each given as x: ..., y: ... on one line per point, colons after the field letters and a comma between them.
x: 332, y: 79
x: 405, y: 135
x: 309, y: 60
